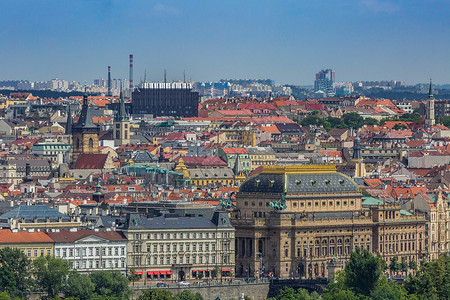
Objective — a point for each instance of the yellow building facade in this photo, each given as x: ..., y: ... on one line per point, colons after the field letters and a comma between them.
x: 33, y: 244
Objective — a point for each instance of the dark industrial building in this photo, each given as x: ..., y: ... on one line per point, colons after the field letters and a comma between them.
x: 165, y: 99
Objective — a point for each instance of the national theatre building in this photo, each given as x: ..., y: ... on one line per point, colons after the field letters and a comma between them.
x: 294, y: 221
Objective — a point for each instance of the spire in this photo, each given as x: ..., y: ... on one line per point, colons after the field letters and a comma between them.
x: 85, y: 120
x: 121, y: 115
x: 430, y: 91
x: 237, y: 165
x: 356, y: 147
x: 69, y: 121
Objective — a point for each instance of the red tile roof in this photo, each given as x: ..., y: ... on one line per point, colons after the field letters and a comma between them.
x: 9, y: 237
x: 91, y: 161
x: 69, y: 236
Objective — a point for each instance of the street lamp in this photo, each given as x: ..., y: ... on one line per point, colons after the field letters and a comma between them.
x: 261, y: 264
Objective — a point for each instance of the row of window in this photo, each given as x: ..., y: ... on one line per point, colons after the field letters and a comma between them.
x: 180, y: 235
x: 38, y: 252
x: 183, y: 259
x: 174, y: 247
x: 89, y: 264
x: 89, y: 251
x: 309, y: 203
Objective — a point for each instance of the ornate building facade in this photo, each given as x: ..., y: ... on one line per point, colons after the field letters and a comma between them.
x: 296, y: 221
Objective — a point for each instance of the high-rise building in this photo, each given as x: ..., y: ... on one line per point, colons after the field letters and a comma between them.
x: 325, y: 82
x: 165, y: 99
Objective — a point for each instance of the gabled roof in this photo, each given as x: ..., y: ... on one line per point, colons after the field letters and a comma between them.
x: 91, y: 161
x: 67, y: 236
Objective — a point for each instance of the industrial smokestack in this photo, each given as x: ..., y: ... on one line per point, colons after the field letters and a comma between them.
x: 109, y: 81
x: 131, y: 73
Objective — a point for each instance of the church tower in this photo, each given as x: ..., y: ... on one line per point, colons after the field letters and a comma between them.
x: 121, y: 124
x: 429, y: 121
x: 360, y: 167
x: 85, y: 133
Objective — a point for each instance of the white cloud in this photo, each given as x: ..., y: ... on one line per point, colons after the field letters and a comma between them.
x: 166, y: 10
x: 375, y: 6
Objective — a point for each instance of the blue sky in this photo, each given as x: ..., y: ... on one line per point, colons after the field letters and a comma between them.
x: 288, y: 41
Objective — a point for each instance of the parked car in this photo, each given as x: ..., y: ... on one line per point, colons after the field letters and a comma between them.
x: 183, y: 283
x: 162, y: 284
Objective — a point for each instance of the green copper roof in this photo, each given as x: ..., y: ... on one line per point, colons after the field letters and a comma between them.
x: 299, y: 182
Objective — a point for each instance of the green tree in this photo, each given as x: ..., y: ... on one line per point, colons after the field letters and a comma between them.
x: 399, y: 127
x: 370, y: 121
x: 15, y: 261
x: 110, y: 284
x: 388, y: 291
x: 404, y: 265
x: 339, y: 295
x: 412, y: 265
x: 188, y: 295
x: 445, y: 121
x: 156, y: 294
x: 362, y: 272
x: 133, y: 277
x: 394, y: 265
x: 310, y: 120
x: 199, y: 275
x: 353, y: 120
x: 215, y: 272
x: 79, y: 286
x: 335, y: 122
x: 50, y: 274
x: 5, y: 296
x: 7, y: 280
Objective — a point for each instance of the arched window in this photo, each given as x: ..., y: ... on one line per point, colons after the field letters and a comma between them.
x: 286, y: 252
x: 91, y: 143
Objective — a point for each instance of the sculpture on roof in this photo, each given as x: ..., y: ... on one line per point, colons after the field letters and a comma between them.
x: 228, y: 203
x: 279, y: 204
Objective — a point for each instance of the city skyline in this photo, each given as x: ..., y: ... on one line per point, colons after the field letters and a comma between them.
x: 287, y: 41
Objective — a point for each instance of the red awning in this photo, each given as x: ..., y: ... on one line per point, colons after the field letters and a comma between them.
x: 226, y: 270
x: 138, y: 273
x: 150, y: 273
x: 156, y: 273
x: 162, y: 272
x: 169, y: 272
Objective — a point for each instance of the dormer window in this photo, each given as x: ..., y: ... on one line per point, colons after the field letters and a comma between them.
x: 313, y: 182
x: 257, y: 181
x: 271, y: 183
x: 298, y: 182
x: 327, y: 182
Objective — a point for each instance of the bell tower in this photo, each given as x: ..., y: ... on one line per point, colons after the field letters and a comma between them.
x: 121, y: 124
x: 429, y: 121
x: 85, y: 133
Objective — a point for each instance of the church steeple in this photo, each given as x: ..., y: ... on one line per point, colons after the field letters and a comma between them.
x: 85, y: 133
x: 121, y: 114
x: 430, y: 91
x: 357, y: 148
x: 69, y: 121
x: 429, y: 121
x: 85, y: 120
x: 121, y: 124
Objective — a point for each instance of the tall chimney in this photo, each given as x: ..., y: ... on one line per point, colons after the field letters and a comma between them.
x: 109, y: 81
x: 131, y: 73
